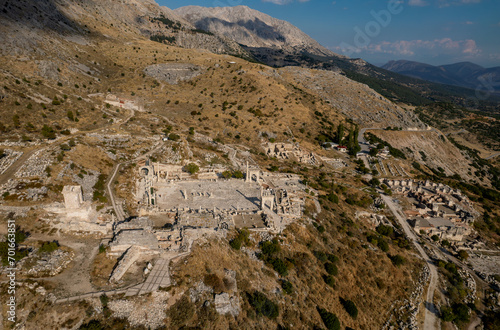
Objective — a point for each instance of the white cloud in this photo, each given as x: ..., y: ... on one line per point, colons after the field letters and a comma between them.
x: 437, y: 47
x: 283, y: 2
x: 417, y: 3
x: 447, y: 3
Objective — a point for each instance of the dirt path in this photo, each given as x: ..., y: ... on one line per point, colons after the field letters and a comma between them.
x: 76, y: 278
x: 431, y: 320
x: 120, y: 215
x: 9, y: 173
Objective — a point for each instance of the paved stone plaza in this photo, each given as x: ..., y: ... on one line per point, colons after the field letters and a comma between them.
x: 225, y: 195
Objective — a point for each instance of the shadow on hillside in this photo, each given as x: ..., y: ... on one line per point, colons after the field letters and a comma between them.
x: 256, y: 26
x: 38, y: 14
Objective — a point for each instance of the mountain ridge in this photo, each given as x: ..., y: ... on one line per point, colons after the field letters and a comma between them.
x: 464, y: 74
x: 252, y: 28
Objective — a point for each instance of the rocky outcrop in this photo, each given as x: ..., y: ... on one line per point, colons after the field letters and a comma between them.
x: 252, y: 28
x: 226, y: 304
x: 173, y: 73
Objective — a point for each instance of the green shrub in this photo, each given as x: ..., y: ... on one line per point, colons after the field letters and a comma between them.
x: 321, y: 256
x: 104, y: 300
x: 331, y: 269
x: 385, y: 230
x: 192, y: 168
x: 350, y: 307
x: 330, y: 320
x: 397, y: 260
x: 329, y: 280
x: 48, y: 247
x: 270, y: 247
x: 263, y: 306
x: 235, y: 244
x: 92, y: 325
x: 173, y: 137
x: 181, y: 312
x: 287, y: 287
x: 383, y: 245
x: 333, y: 198
x: 48, y: 132
x: 279, y: 266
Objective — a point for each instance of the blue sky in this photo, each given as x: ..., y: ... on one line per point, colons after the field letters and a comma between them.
x: 430, y: 31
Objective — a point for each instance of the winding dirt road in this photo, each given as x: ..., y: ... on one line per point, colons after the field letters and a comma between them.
x: 431, y: 320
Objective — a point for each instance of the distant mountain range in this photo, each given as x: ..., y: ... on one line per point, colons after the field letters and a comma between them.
x: 278, y: 43
x: 465, y: 74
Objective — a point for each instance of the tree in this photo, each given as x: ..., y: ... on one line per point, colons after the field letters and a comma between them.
x: 16, y: 121
x: 333, y: 198
x: 238, y: 175
x: 48, y: 132
x: 329, y: 280
x: 435, y: 238
x: 173, y: 137
x: 227, y: 174
x: 382, y: 244
x: 373, y: 152
x: 287, y: 287
x: 350, y: 307
x: 167, y: 129
x: 340, y: 133
x: 70, y: 115
x: 279, y: 266
x: 463, y: 255
x: 331, y: 268
x: 374, y: 182
x: 263, y: 306
x: 92, y: 325
x: 397, y: 260
x: 385, y: 230
x: 330, y: 320
x: 192, y: 168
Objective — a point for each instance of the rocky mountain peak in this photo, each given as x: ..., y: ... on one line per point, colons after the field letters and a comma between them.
x: 252, y: 28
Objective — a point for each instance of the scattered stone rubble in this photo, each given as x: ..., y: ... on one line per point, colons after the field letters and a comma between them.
x: 87, y: 182
x: 15, y: 187
x: 48, y: 264
x: 35, y: 165
x: 289, y: 150
x: 172, y: 73
x: 228, y: 303
x: 470, y: 283
x: 148, y: 312
x: 410, y: 307
x: 33, y: 194
x: 336, y: 163
x: 199, y: 290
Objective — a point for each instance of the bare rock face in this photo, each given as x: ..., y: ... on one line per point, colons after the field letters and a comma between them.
x: 213, y: 43
x: 173, y: 73
x: 251, y: 28
x: 226, y: 304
